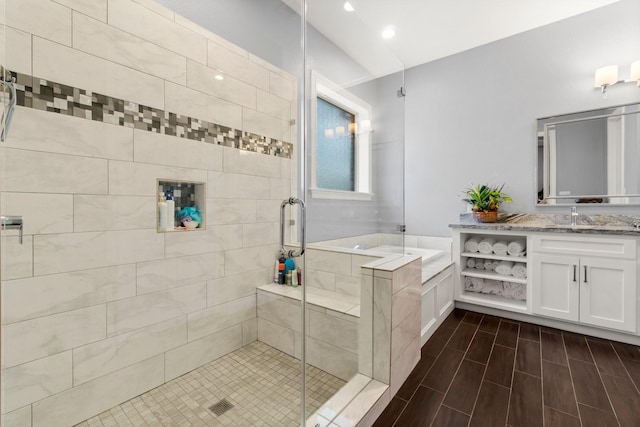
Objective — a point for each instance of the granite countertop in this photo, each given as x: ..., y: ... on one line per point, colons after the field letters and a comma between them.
x: 555, y: 223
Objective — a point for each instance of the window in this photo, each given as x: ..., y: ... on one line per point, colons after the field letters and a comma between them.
x: 335, y: 145
x: 341, y: 147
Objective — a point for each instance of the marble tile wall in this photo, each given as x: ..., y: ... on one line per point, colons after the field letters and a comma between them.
x: 280, y: 327
x: 98, y: 306
x: 336, y: 271
x: 396, y: 319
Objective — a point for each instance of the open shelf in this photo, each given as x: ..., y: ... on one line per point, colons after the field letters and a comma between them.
x: 496, y: 301
x: 484, y: 274
x: 490, y: 300
x: 495, y: 257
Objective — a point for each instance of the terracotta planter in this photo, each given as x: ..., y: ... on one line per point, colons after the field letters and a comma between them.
x: 486, y: 216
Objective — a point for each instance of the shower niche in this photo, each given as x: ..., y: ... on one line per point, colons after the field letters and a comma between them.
x: 188, y: 210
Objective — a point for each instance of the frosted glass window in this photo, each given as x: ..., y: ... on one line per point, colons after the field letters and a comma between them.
x: 335, y: 147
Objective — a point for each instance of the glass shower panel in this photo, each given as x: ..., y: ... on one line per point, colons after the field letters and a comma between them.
x: 349, y: 65
x: 149, y: 153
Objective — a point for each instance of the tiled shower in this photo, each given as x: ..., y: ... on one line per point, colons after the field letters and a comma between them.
x: 98, y: 306
x: 115, y: 97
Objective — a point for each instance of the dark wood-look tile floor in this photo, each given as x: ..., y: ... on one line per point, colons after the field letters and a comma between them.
x: 480, y: 370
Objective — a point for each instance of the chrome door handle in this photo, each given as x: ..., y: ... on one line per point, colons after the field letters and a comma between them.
x: 293, y: 201
x: 12, y: 223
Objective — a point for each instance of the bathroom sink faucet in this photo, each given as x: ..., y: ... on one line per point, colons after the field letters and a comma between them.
x: 574, y: 216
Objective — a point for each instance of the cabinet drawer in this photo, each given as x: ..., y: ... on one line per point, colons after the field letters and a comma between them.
x: 619, y: 247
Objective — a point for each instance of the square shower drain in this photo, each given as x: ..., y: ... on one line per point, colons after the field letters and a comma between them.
x: 221, y: 407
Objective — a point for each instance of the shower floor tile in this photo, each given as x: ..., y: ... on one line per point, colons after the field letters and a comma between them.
x: 262, y: 384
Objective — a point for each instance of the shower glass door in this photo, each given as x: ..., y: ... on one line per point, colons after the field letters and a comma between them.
x: 354, y: 192
x: 152, y: 145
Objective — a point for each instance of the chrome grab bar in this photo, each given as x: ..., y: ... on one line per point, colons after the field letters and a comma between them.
x: 12, y: 223
x: 303, y: 244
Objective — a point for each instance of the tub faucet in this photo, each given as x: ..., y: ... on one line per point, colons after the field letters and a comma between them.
x: 574, y: 216
x: 358, y: 246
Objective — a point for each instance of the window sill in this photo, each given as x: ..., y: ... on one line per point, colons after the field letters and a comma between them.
x: 321, y: 193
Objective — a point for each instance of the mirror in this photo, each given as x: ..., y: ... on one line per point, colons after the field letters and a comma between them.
x: 590, y: 157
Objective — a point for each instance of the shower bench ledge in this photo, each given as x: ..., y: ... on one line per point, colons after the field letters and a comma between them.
x: 336, y: 301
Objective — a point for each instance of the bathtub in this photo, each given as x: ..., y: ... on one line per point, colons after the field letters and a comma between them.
x: 426, y: 254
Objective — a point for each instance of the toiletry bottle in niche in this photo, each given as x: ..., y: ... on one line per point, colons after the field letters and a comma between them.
x: 281, y: 276
x: 299, y: 271
x: 275, y: 272
x: 288, y: 278
x: 294, y: 278
x: 162, y: 212
x: 171, y: 211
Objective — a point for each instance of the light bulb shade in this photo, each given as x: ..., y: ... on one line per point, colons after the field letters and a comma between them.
x: 635, y: 71
x: 606, y: 75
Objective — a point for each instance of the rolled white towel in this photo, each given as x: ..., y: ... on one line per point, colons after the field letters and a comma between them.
x: 486, y: 245
x: 508, y: 290
x: 504, y: 268
x: 519, y: 270
x: 517, y: 247
x: 479, y: 264
x: 488, y: 265
x: 495, y: 263
x: 471, y: 245
x: 515, y: 290
x: 500, y: 247
x: 493, y: 287
x: 471, y: 262
x: 467, y: 283
x: 474, y: 284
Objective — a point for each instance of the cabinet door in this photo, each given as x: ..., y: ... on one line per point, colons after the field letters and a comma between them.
x: 444, y: 292
x: 555, y: 286
x: 608, y: 293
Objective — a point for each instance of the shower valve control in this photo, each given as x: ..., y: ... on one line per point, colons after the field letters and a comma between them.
x: 12, y: 223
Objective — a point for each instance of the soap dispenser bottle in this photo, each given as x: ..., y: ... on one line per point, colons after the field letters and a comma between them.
x: 162, y: 212
x: 171, y: 211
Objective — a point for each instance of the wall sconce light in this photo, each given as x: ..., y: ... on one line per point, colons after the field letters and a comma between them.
x: 608, y: 76
x: 635, y: 72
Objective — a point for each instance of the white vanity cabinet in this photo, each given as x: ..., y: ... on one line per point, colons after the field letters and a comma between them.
x: 591, y: 280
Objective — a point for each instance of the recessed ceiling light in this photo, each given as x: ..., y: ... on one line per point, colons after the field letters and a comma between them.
x: 348, y: 7
x: 218, y: 77
x: 388, y: 33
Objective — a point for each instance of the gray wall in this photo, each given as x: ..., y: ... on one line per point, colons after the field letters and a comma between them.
x: 471, y: 117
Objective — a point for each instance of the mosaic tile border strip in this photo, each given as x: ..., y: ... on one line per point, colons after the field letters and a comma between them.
x: 45, y: 95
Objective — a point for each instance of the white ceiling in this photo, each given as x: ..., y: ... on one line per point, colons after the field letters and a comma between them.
x: 429, y: 29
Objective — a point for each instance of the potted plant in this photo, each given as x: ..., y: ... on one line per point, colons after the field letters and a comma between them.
x: 485, y: 201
